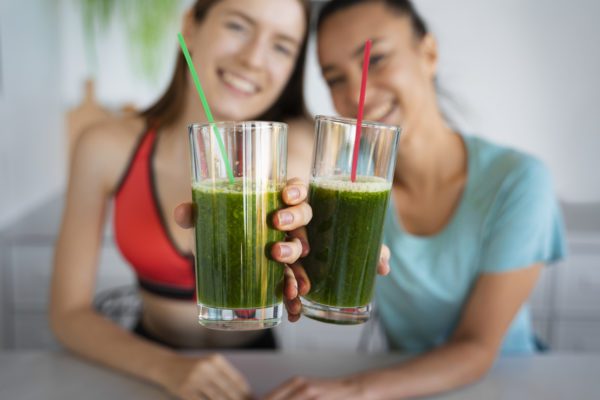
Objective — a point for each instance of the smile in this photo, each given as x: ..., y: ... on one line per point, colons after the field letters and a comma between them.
x: 238, y: 83
x: 381, y: 112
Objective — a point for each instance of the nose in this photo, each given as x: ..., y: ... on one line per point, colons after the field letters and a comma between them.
x: 253, y: 53
x: 353, y: 93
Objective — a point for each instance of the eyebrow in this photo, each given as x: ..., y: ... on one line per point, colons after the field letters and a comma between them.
x: 252, y: 22
x: 288, y: 39
x: 358, y: 52
x: 360, y: 49
x: 242, y: 16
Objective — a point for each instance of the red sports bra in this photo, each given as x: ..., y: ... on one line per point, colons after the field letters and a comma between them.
x: 141, y: 232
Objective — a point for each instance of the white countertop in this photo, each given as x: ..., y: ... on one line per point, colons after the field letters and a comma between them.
x: 59, y: 376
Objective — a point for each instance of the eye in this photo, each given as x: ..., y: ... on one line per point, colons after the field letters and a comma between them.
x: 335, y: 81
x: 375, y: 60
x: 285, y: 50
x: 235, y: 26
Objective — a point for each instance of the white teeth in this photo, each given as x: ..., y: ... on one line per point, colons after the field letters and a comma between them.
x: 380, y: 112
x: 239, y: 83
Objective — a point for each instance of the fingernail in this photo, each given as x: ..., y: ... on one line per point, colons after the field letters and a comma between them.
x: 293, y: 193
x: 285, y: 250
x: 286, y: 218
x: 305, y: 247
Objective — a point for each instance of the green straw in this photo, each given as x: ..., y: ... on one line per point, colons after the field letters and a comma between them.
x: 207, y: 111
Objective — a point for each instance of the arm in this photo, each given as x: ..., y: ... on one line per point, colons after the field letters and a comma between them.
x: 523, y: 229
x: 466, y: 357
x: 472, y: 349
x: 72, y: 317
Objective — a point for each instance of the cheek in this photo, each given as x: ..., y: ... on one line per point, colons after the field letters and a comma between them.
x: 227, y: 45
x: 214, y: 47
x: 341, y: 103
x: 280, y: 72
x: 402, y: 82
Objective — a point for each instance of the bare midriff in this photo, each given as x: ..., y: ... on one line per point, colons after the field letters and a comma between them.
x: 176, y: 322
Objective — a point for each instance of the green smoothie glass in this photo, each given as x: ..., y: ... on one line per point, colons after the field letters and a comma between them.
x: 238, y: 286
x: 345, y: 233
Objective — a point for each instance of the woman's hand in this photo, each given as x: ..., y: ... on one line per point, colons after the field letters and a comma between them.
x: 323, y: 389
x: 206, y: 378
x: 292, y: 220
x: 298, y: 284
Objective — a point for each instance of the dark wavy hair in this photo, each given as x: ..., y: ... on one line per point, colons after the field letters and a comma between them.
x: 401, y: 7
x: 289, y: 105
x: 452, y: 108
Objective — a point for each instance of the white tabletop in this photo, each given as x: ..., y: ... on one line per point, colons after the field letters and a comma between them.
x: 54, y: 376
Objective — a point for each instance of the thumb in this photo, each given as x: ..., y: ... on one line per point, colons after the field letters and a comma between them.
x: 383, y: 267
x: 184, y: 215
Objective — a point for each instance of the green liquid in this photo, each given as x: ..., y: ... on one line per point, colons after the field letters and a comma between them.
x: 233, y: 238
x: 345, y: 237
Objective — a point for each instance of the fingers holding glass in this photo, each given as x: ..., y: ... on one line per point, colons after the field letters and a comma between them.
x: 293, y: 217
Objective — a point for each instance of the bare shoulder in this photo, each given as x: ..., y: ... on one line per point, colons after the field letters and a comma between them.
x: 114, y: 133
x: 103, y: 151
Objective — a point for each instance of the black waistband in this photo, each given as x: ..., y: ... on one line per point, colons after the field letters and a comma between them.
x: 266, y: 341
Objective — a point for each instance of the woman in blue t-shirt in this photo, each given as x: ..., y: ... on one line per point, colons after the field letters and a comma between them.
x: 470, y: 223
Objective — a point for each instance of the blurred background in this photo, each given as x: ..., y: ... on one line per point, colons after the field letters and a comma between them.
x: 518, y: 72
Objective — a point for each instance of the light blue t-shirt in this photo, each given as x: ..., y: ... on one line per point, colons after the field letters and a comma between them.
x: 508, y: 218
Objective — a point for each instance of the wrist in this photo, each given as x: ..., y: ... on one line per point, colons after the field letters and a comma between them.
x: 368, y: 386
x: 166, y: 369
x: 360, y: 387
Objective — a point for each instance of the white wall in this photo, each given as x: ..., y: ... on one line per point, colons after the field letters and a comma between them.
x: 528, y: 69
x: 31, y: 141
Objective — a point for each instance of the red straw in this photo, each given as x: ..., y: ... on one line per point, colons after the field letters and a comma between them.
x: 361, y: 107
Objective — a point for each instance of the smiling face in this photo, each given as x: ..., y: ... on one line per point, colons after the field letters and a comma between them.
x: 245, y: 52
x: 400, y: 87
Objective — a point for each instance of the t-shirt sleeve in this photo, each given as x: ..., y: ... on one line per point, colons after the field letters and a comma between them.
x: 525, y: 225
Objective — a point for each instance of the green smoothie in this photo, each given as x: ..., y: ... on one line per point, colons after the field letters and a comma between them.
x: 233, y: 237
x: 345, y: 237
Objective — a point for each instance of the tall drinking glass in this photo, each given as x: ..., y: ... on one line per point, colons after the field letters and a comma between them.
x: 345, y: 233
x: 238, y: 286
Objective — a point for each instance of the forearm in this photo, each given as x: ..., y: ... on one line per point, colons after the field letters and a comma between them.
x: 446, y: 368
x: 92, y: 336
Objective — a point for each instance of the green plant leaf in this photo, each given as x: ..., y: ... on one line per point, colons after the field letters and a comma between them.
x: 148, y: 24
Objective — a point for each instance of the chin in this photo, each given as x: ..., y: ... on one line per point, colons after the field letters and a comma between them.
x: 233, y: 113
x: 395, y: 118
x: 229, y: 115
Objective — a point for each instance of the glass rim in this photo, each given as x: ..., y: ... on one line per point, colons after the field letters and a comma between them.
x: 238, y: 124
x: 364, y: 124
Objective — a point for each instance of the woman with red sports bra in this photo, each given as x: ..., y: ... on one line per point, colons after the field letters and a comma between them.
x: 250, y: 58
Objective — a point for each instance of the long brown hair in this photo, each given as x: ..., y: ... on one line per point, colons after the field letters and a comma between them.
x: 289, y: 105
